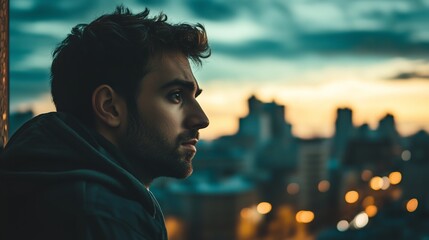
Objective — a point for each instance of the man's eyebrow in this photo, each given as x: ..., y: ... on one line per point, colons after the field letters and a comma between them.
x: 185, y: 84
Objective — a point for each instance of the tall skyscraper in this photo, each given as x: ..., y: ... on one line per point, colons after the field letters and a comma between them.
x: 343, y: 132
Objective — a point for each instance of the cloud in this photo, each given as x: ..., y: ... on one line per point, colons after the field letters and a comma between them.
x: 46, y: 9
x: 29, y: 84
x: 353, y: 43
x: 153, y: 2
x: 255, y: 49
x: 24, y: 44
x: 410, y: 76
x: 213, y: 10
x: 364, y: 42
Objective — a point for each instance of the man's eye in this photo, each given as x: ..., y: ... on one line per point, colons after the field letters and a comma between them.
x: 176, y: 97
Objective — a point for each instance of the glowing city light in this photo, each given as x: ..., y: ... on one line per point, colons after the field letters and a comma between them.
x: 264, y: 208
x: 371, y: 210
x: 245, y: 212
x: 395, y: 178
x: 304, y: 216
x: 293, y: 188
x: 351, y: 196
x: 368, y: 201
x: 361, y: 220
x: 386, y: 183
x: 174, y: 227
x: 396, y: 193
x: 324, y: 186
x: 376, y: 183
x: 412, y: 205
x: 406, y: 155
x: 366, y: 175
x: 343, y: 225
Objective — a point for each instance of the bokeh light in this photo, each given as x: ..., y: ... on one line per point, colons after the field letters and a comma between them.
x: 343, y: 225
x: 304, y: 216
x: 369, y: 200
x: 264, y: 208
x: 376, y: 183
x: 323, y: 186
x: 351, y: 196
x: 292, y: 188
x: 412, y: 205
x: 366, y: 175
x: 396, y: 193
x: 406, y: 155
x: 371, y: 210
x: 245, y: 212
x: 386, y: 183
x: 395, y: 178
x: 361, y: 220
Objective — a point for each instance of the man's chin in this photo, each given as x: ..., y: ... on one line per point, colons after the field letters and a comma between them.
x: 180, y: 171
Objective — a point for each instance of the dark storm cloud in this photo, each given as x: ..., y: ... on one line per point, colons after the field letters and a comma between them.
x: 213, y: 10
x: 22, y: 44
x: 47, y: 10
x: 35, y: 75
x: 153, y: 2
x: 364, y: 43
x: 254, y: 49
x: 29, y: 84
x: 416, y: 14
x: 409, y: 76
x: 359, y: 43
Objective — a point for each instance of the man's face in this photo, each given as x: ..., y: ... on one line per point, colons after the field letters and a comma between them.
x: 163, y: 129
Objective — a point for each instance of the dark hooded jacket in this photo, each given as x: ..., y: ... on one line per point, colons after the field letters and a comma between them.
x: 61, y: 180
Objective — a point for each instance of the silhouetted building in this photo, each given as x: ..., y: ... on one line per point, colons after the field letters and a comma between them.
x: 211, y: 207
x: 264, y: 121
x: 343, y: 132
x: 313, y: 158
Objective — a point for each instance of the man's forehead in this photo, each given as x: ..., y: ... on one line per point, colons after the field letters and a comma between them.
x: 172, y: 66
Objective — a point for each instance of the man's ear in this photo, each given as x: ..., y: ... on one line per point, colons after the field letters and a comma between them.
x: 109, y: 108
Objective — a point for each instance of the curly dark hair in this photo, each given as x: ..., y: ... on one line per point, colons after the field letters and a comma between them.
x: 115, y: 49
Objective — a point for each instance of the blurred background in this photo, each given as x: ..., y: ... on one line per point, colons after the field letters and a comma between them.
x: 319, y: 113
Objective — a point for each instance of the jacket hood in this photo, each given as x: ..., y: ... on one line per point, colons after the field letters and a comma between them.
x: 56, y: 147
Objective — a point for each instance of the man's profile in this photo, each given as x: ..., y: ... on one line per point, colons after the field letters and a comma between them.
x: 126, y: 114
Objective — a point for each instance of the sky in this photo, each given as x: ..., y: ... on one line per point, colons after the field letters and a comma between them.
x: 311, y: 56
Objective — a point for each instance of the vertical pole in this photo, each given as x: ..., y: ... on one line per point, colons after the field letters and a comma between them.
x: 4, y: 71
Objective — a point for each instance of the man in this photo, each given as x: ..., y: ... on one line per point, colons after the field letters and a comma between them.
x: 126, y: 114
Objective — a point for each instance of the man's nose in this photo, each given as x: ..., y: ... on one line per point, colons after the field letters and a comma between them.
x: 196, y: 118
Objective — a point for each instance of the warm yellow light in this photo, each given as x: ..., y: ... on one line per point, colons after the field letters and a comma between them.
x: 245, y: 213
x: 371, y: 210
x: 174, y: 227
x: 412, y: 205
x: 396, y: 193
x: 395, y: 178
x: 324, y: 186
x: 368, y: 201
x: 406, y: 155
x: 304, y: 216
x: 293, y: 188
x: 376, y: 183
x: 264, y: 208
x: 351, y: 196
x: 366, y: 175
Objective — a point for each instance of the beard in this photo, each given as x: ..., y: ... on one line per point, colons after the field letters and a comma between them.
x: 152, y: 153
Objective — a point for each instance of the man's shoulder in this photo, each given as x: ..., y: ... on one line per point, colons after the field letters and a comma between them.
x: 92, y: 197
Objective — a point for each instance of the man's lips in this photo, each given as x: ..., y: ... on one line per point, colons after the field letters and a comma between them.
x: 190, y: 144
